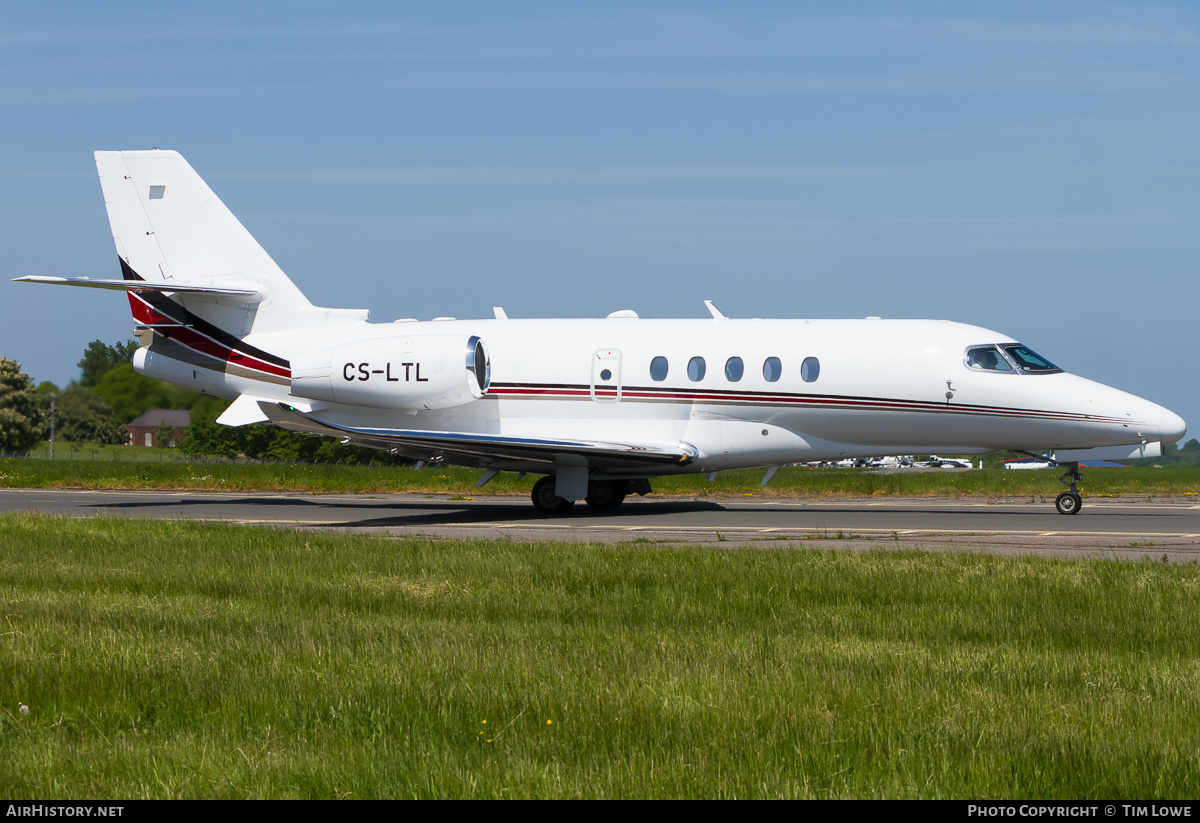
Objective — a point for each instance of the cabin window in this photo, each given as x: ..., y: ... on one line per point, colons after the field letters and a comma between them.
x: 696, y: 369
x: 987, y: 358
x: 772, y: 369
x: 810, y: 369
x: 606, y: 375
x: 658, y: 369
x: 733, y: 369
x: 1028, y: 361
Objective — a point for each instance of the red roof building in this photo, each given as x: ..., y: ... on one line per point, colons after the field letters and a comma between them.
x: 145, y: 430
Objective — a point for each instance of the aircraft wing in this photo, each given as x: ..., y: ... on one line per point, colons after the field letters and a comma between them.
x: 488, y: 450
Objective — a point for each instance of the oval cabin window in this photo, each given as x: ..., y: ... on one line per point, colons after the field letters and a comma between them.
x: 733, y: 369
x: 772, y: 369
x: 658, y: 369
x: 810, y: 369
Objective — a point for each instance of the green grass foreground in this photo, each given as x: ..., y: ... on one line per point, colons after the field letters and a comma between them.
x: 138, y: 471
x: 172, y: 659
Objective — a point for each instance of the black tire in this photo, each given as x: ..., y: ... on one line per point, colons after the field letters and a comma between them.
x: 546, y: 501
x: 1068, y: 503
x: 604, y: 495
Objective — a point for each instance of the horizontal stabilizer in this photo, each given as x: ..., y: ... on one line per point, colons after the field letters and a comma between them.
x: 484, y: 449
x: 249, y: 294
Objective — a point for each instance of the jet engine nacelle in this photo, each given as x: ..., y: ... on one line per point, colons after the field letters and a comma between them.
x: 434, y: 371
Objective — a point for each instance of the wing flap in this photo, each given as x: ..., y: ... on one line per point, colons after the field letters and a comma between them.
x: 486, y: 449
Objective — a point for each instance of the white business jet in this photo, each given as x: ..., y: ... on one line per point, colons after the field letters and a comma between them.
x: 597, y: 406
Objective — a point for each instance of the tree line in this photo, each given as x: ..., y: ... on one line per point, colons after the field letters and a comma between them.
x: 110, y: 394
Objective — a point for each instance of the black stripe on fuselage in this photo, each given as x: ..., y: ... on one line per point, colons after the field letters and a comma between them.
x: 679, y: 395
x: 169, y: 308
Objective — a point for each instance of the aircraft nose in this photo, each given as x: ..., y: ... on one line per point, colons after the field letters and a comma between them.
x: 1171, y: 427
x: 1115, y: 417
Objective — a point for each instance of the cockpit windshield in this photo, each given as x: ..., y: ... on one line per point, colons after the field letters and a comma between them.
x: 1029, y: 361
x: 987, y: 358
x: 1012, y: 359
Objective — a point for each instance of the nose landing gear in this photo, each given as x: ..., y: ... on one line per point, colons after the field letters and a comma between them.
x: 1069, y: 502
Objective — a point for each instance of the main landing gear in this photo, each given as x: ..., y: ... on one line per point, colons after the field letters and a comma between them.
x: 546, y: 501
x: 603, y: 495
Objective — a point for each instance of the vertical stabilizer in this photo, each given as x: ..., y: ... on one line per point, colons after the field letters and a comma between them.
x: 170, y: 228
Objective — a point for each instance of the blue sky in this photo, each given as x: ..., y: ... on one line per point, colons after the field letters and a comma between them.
x: 1032, y: 168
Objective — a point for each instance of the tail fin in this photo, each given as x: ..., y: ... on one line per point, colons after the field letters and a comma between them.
x: 170, y: 229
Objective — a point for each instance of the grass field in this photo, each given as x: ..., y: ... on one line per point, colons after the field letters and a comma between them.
x: 166, y: 659
x: 128, y: 473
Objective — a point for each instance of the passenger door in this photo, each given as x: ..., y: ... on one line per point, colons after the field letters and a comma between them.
x: 606, y: 375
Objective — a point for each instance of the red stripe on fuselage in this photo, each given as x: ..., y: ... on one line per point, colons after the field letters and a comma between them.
x: 143, y: 312
x: 765, y: 399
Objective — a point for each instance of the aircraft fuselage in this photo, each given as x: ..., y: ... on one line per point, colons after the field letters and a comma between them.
x: 768, y: 392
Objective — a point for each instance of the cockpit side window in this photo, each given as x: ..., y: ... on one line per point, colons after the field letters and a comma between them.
x: 1029, y: 361
x: 987, y: 358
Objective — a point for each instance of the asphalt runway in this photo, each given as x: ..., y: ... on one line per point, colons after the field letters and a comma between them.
x: 1133, y: 529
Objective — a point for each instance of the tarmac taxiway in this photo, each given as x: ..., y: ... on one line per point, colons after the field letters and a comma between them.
x: 1159, y: 529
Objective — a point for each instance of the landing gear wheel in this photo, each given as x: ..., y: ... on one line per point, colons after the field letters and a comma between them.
x: 605, y: 494
x: 1068, y: 503
x: 546, y: 501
